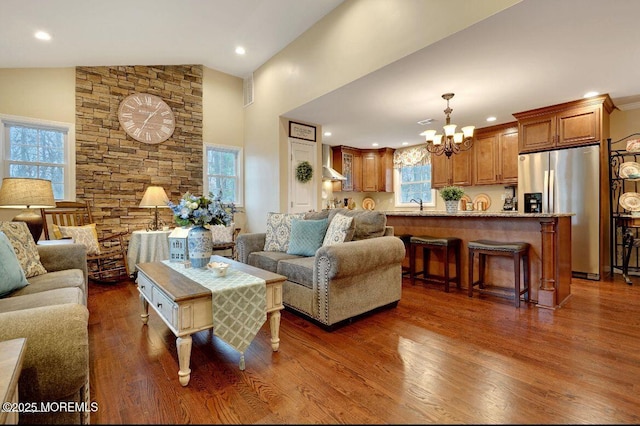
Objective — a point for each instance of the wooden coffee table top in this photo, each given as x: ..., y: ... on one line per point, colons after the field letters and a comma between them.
x: 181, y: 288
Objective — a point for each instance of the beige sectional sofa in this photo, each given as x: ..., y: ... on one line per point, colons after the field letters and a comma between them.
x: 51, y: 313
x: 340, y: 281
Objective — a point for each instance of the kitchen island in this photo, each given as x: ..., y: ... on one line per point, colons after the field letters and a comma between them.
x: 549, y: 235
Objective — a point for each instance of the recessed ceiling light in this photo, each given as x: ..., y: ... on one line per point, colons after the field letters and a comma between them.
x: 374, y: 144
x: 240, y: 50
x: 327, y: 133
x: 492, y: 118
x: 405, y: 143
x: 590, y: 94
x: 41, y: 35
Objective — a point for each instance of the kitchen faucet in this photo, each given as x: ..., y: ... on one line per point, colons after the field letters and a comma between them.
x: 419, y: 201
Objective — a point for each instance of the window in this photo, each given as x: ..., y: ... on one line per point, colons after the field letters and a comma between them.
x: 39, y: 149
x: 223, y: 172
x: 412, y: 180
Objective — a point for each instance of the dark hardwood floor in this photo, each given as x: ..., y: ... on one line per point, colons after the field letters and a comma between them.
x: 436, y: 358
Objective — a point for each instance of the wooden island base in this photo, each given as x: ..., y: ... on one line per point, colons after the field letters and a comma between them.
x: 548, y: 234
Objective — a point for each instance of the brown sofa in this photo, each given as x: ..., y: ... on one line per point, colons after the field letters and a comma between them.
x: 341, y: 281
x: 51, y: 314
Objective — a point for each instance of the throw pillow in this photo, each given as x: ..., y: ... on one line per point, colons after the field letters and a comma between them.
x: 279, y: 230
x: 85, y: 235
x: 222, y: 233
x: 12, y: 274
x: 340, y: 230
x: 306, y: 236
x: 24, y: 247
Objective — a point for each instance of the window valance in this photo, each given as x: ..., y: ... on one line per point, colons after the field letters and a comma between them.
x: 413, y: 156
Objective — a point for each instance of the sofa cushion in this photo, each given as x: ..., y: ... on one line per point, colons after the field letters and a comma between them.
x: 222, y: 233
x: 299, y: 271
x: 279, y: 231
x: 368, y: 223
x: 25, y: 247
x: 85, y: 235
x: 58, y: 296
x: 53, y: 280
x: 313, y: 215
x: 268, y: 260
x: 307, y: 236
x: 10, y: 270
x: 340, y: 230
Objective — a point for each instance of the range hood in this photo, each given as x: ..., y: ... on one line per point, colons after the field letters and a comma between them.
x: 327, y: 172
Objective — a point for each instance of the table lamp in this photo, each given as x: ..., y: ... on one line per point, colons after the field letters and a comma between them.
x: 28, y: 194
x: 154, y: 196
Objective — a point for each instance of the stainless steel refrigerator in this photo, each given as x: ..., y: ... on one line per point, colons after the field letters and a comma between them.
x: 566, y: 181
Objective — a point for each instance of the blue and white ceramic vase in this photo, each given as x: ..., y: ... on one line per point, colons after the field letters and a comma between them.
x: 200, y: 244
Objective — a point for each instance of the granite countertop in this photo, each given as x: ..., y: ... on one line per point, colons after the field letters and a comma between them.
x: 461, y: 213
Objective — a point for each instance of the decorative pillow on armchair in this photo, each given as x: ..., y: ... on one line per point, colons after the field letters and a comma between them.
x: 222, y: 233
x: 279, y: 231
x: 10, y: 270
x: 341, y: 229
x: 24, y: 246
x: 85, y: 235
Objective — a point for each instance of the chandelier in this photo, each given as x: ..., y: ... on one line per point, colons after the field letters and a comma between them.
x: 451, y: 142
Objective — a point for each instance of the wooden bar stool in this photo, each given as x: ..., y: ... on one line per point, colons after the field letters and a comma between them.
x: 443, y: 245
x: 406, y: 239
x: 515, y: 250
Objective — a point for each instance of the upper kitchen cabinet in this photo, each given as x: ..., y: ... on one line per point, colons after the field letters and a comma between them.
x: 454, y: 170
x: 366, y: 170
x: 564, y: 125
x: 496, y: 155
x: 348, y: 162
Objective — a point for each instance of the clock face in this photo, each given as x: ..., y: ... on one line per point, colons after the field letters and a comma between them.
x: 146, y: 118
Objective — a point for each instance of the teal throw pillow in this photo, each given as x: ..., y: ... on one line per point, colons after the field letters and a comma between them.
x: 11, y: 272
x: 307, y: 236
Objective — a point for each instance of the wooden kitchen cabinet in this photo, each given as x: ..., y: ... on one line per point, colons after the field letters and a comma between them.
x: 348, y: 162
x: 366, y: 170
x: 564, y: 125
x: 496, y: 155
x: 455, y: 170
x: 370, y: 163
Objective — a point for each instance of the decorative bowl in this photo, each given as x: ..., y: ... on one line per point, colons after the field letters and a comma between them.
x: 219, y: 269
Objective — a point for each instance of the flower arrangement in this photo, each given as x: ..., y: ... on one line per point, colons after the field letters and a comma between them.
x: 451, y: 193
x: 200, y: 211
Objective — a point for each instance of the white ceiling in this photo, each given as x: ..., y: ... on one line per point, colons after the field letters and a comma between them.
x: 153, y: 32
x: 534, y: 54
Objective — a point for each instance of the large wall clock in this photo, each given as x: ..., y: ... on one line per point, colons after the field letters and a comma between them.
x: 146, y: 118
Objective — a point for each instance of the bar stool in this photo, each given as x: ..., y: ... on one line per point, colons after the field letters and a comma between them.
x: 515, y: 250
x: 406, y: 239
x: 443, y: 245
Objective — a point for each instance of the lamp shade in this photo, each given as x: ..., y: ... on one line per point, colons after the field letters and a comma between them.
x: 26, y: 193
x: 154, y: 196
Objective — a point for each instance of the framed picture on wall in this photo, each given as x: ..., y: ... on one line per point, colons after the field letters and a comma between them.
x: 302, y: 131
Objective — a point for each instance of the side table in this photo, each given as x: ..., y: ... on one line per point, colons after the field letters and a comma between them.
x: 11, y: 357
x: 147, y: 246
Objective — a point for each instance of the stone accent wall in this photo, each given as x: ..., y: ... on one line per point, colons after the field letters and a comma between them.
x: 112, y: 169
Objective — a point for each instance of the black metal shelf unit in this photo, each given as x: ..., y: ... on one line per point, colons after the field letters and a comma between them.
x: 625, y: 226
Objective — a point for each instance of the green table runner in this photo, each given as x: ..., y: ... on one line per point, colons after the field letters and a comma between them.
x: 238, y: 303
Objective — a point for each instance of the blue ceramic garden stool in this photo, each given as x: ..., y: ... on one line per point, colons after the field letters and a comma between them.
x: 517, y: 251
x: 442, y: 245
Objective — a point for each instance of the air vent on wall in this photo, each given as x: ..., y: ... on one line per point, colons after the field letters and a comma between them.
x: 248, y: 90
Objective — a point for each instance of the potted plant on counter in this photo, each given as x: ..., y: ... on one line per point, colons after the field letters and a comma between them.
x: 451, y: 196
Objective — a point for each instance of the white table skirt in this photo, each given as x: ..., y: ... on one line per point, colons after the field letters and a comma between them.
x: 147, y: 246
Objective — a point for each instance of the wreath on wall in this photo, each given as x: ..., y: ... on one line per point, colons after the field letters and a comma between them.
x: 304, y: 172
